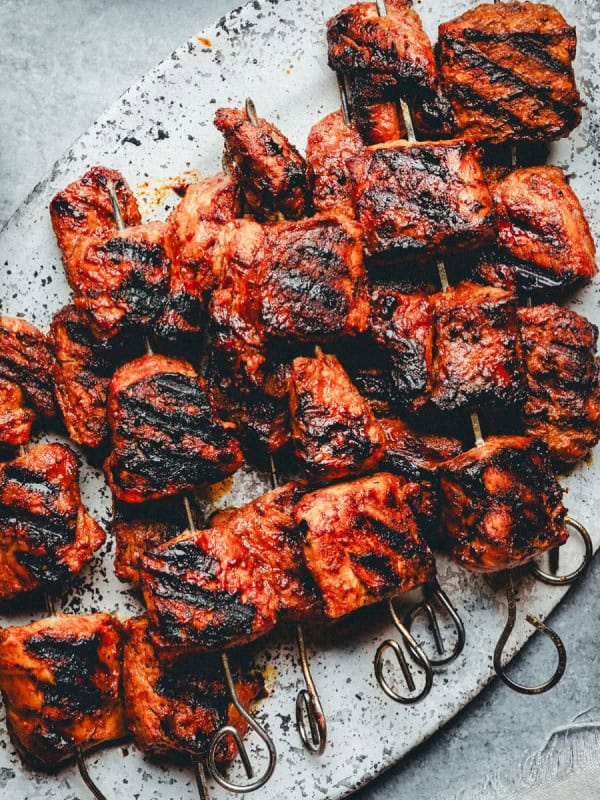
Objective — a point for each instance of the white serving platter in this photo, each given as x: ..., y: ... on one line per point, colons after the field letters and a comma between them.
x: 160, y: 128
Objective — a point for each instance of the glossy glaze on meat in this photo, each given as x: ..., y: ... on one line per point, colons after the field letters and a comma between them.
x: 501, y: 504
x: 413, y: 455
x: 544, y: 239
x: 562, y: 404
x: 390, y: 53
x: 507, y: 70
x: 478, y: 358
x: 416, y: 200
x: 402, y: 324
x: 16, y: 420
x: 331, y: 145
x: 270, y: 171
x: 46, y: 535
x: 334, y: 430
x: 362, y: 541
x: 60, y: 679
x: 176, y: 703
x: 138, y: 527
x: 195, y: 227
x: 166, y: 437
x: 26, y: 361
x: 84, y: 211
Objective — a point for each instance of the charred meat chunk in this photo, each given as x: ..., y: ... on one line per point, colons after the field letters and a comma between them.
x: 26, y: 360
x: 478, y: 358
x: 507, y: 69
x: 270, y: 171
x: 331, y: 146
x: 413, y: 455
x: 421, y: 199
x: 562, y: 403
x: 334, y: 430
x: 166, y: 437
x: 46, y: 535
x: 137, y: 527
x: 402, y: 324
x: 84, y: 210
x: 195, y: 227
x: 60, y: 679
x: 205, y: 589
x: 362, y: 541
x: 501, y: 504
x: 175, y: 703
x: 16, y: 419
x: 543, y: 235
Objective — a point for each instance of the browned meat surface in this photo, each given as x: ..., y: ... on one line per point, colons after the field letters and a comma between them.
x: 331, y: 145
x: 478, y: 358
x: 390, y: 54
x: 562, y: 404
x: 196, y: 226
x: 46, y: 535
x: 268, y: 529
x: 507, y: 70
x: 27, y: 361
x: 81, y: 372
x: 543, y: 235
x: 270, y: 171
x: 402, y: 324
x: 303, y: 281
x: 415, y: 456
x: 166, y: 437
x: 15, y: 418
x: 416, y: 200
x: 84, y: 210
x: 362, y: 541
x: 376, y: 122
x: 501, y: 504
x: 137, y: 527
x: 123, y: 281
x: 60, y: 679
x: 176, y: 703
x: 205, y: 589
x: 334, y: 430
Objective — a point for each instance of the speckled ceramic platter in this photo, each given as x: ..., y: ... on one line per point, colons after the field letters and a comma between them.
x: 162, y: 127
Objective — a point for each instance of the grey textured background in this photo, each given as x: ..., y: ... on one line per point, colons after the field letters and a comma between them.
x: 61, y: 64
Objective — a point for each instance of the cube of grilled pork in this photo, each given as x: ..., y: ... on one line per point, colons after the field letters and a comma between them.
x: 501, y: 504
x: 507, y: 70
x: 46, y: 535
x: 334, y: 430
x: 421, y: 199
x: 377, y: 122
x: 16, y: 419
x: 478, y: 357
x: 270, y: 171
x: 81, y: 372
x: 26, y: 360
x: 137, y: 527
x: 268, y: 528
x: 60, y: 678
x: 303, y: 281
x: 562, y: 404
x: 394, y: 46
x: 166, y: 437
x: 175, y: 704
x: 331, y: 145
x: 542, y: 231
x: 415, y: 456
x: 362, y: 541
x: 84, y: 210
x: 402, y: 324
x: 195, y: 227
x: 123, y: 281
x: 206, y: 590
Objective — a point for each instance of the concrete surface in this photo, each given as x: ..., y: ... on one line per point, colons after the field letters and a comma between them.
x: 61, y: 63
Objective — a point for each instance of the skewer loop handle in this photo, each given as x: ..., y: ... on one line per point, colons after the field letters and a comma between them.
x: 418, y: 656
x: 571, y: 577
x: 435, y: 594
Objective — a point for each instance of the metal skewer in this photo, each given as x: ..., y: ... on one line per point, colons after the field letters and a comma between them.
x: 226, y: 730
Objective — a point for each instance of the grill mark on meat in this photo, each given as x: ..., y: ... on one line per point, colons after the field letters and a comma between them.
x: 73, y: 662
x: 528, y: 43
